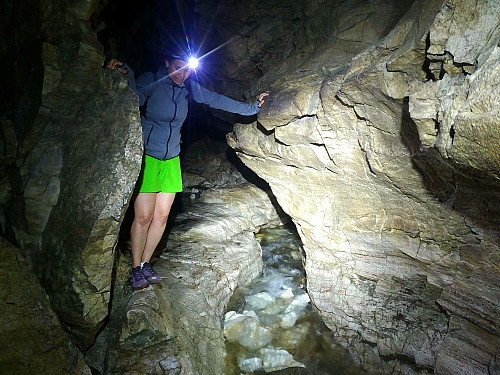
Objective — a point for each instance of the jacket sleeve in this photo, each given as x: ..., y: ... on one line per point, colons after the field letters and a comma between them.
x: 218, y: 101
x: 143, y: 86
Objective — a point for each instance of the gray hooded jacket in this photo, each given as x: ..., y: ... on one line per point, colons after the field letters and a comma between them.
x: 165, y: 107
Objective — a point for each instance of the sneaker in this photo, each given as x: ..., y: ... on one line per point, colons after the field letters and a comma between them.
x: 137, y: 279
x: 150, y: 274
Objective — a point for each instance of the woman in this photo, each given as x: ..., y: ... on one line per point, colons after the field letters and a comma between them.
x: 163, y: 98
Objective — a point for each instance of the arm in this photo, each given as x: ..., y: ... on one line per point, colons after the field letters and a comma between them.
x: 218, y: 101
x: 142, y: 87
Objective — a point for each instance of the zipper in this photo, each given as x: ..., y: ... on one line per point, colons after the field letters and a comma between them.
x: 173, y: 118
x: 149, y: 135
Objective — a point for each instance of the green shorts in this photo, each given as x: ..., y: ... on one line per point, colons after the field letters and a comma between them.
x: 160, y: 176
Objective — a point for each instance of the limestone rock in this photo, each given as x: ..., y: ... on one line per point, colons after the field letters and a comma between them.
x: 277, y: 359
x: 32, y: 339
x: 76, y: 171
x: 211, y: 249
x: 399, y: 240
x: 246, y: 330
x: 379, y: 139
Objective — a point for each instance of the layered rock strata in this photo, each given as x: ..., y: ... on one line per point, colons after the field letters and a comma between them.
x: 379, y: 140
x: 176, y: 327
x: 73, y: 176
x: 387, y: 163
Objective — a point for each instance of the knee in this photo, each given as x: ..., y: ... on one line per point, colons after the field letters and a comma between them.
x: 143, y: 220
x: 160, y: 217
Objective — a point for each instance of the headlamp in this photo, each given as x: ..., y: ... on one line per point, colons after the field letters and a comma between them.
x: 193, y: 62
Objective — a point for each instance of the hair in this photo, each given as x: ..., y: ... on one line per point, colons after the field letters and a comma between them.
x: 176, y: 55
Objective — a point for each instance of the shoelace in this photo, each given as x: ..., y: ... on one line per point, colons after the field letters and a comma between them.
x: 136, y: 275
x: 147, y: 267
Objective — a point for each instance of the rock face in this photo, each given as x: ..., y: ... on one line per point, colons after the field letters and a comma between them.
x: 379, y: 139
x: 175, y: 327
x: 386, y: 159
x: 73, y: 175
x: 33, y: 341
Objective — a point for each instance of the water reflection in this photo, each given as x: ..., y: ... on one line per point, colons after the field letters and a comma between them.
x: 271, y: 327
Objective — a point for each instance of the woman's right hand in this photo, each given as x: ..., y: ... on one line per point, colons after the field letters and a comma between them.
x: 261, y: 98
x: 118, y: 65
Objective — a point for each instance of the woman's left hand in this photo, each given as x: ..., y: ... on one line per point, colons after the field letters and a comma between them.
x: 261, y: 98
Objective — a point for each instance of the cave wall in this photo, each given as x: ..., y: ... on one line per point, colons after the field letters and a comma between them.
x: 31, y: 337
x: 91, y: 127
x: 382, y: 149
x: 21, y: 74
x: 379, y: 139
x: 69, y: 183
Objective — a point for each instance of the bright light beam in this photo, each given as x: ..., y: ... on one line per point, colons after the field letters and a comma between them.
x: 193, y: 63
x: 217, y: 48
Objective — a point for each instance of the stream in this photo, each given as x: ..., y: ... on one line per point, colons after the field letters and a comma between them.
x: 270, y: 325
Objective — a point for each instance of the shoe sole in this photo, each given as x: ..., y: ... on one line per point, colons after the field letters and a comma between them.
x: 140, y: 287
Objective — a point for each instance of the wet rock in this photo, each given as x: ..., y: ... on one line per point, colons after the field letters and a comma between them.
x: 397, y: 167
x: 294, y: 310
x: 211, y: 249
x: 291, y: 339
x: 379, y: 140
x: 270, y: 360
x: 260, y: 300
x: 277, y: 359
x: 246, y: 330
x: 250, y: 364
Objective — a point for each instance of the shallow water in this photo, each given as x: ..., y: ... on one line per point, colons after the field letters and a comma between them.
x: 266, y: 301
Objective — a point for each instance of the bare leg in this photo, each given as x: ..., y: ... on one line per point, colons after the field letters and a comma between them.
x: 162, y: 208
x: 144, y: 207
